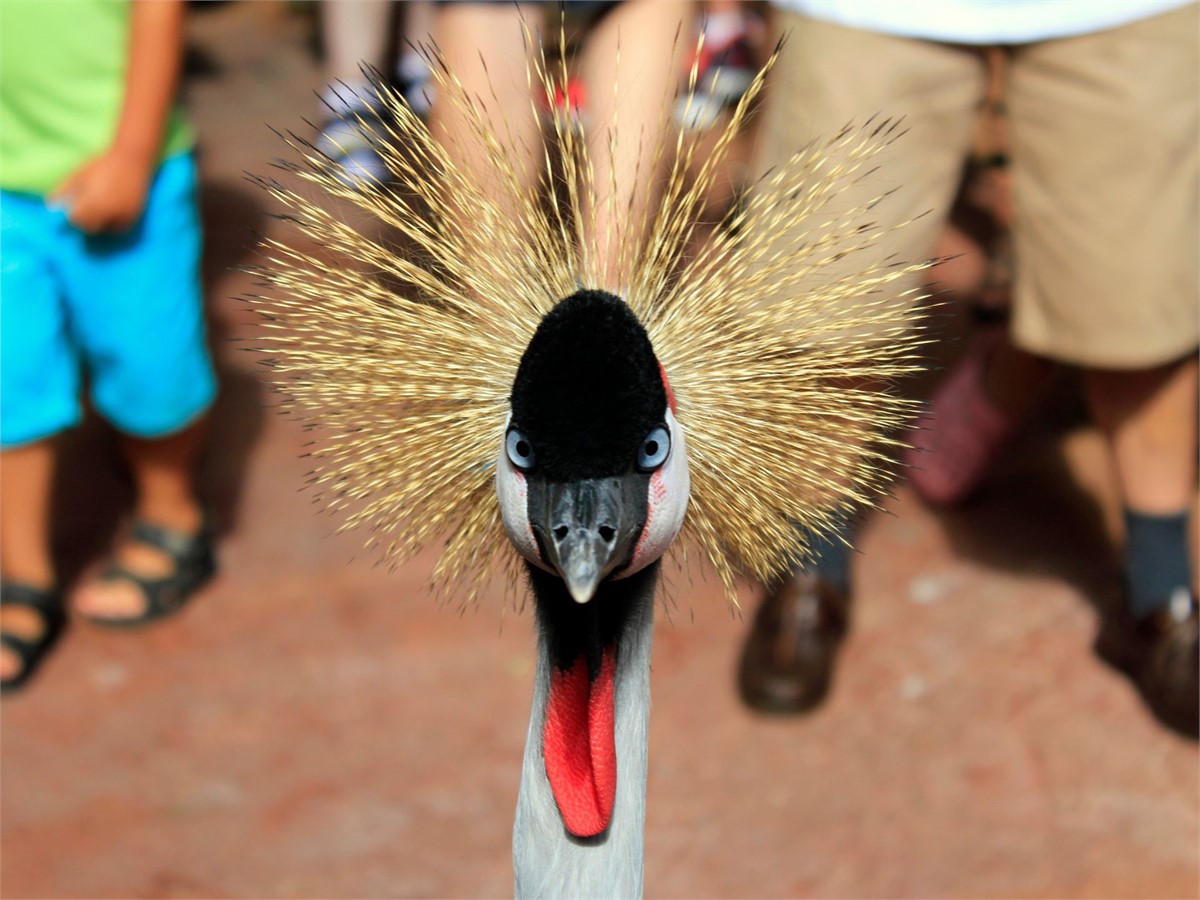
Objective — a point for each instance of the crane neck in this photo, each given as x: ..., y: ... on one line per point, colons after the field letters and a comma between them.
x: 548, y: 860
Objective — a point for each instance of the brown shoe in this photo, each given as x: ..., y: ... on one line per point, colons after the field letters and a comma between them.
x: 1161, y: 655
x: 787, y: 663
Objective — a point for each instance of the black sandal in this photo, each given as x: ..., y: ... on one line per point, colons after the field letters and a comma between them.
x: 48, y: 606
x: 195, y: 563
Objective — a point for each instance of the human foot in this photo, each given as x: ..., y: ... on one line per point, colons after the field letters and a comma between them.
x: 788, y: 660
x: 1159, y: 652
x: 351, y: 139
x: 154, y: 571
x: 31, y: 619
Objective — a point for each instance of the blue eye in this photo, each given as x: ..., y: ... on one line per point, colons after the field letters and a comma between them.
x: 520, y: 451
x: 654, y: 450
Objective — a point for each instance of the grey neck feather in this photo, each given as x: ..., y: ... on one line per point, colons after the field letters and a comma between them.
x: 547, y: 861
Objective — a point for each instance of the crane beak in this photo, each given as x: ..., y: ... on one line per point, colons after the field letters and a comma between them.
x: 587, y: 529
x: 582, y: 564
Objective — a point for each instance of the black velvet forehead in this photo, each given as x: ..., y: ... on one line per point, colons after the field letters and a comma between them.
x: 588, y: 390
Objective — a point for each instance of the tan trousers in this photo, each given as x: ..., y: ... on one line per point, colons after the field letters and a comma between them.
x: 1104, y: 133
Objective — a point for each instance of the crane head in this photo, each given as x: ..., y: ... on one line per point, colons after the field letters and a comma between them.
x: 592, y: 476
x: 593, y: 485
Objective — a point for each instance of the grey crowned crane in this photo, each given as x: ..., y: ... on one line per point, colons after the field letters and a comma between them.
x: 593, y: 487
x: 473, y: 378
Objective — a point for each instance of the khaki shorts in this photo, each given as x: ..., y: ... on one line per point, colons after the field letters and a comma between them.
x: 1104, y: 132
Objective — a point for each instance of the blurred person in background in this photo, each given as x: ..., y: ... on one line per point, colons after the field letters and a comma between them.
x: 726, y: 63
x: 358, y: 38
x: 1102, y: 106
x: 100, y: 277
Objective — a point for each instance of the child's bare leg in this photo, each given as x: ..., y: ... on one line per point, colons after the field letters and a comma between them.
x: 163, y: 470
x: 25, y: 480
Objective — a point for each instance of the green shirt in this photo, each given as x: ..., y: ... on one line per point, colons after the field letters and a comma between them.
x: 62, y: 83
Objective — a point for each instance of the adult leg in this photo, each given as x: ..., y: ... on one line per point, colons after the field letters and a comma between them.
x: 1108, y: 281
x: 820, y: 86
x: 1148, y: 418
x: 1108, y: 278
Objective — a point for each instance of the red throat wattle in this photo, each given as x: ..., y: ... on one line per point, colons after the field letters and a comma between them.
x: 578, y: 745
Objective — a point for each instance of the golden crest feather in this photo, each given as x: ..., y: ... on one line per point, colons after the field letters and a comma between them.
x: 400, y: 351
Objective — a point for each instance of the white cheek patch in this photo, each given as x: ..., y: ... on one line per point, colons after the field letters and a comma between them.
x: 666, y: 504
x: 512, y: 490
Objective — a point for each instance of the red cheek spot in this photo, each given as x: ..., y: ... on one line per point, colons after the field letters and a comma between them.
x: 667, y: 387
x: 658, y: 493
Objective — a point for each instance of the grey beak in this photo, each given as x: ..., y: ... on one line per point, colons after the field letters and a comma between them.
x: 587, y: 529
x: 582, y: 562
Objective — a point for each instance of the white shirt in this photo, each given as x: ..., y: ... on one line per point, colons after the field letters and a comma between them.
x: 982, y: 21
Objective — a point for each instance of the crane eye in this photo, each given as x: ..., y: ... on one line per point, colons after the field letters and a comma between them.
x: 654, y: 450
x: 520, y: 451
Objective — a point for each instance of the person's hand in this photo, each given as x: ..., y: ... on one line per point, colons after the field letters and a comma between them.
x: 106, y: 195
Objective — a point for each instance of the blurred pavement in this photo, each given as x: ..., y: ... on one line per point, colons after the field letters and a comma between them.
x: 314, y: 727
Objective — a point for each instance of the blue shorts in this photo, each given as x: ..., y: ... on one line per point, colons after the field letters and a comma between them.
x: 126, y: 308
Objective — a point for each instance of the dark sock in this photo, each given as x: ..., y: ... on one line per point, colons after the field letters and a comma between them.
x: 831, y: 554
x: 1156, y: 560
